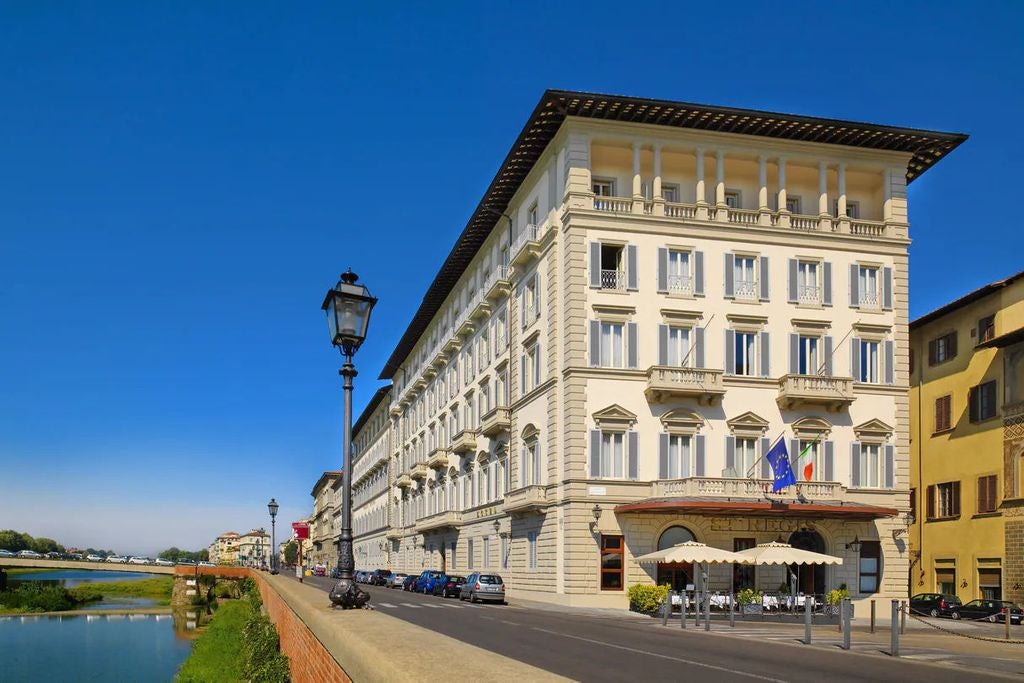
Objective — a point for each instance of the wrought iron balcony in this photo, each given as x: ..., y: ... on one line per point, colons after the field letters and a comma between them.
x: 834, y: 393
x: 667, y: 383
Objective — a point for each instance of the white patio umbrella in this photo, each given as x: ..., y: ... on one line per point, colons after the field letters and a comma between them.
x: 784, y: 553
x: 693, y: 552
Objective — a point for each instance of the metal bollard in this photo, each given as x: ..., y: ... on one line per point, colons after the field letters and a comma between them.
x: 1006, y: 620
x: 707, y: 611
x: 872, y: 615
x: 732, y: 610
x: 845, y: 614
x: 685, y: 600
x: 894, y: 628
x: 903, y: 617
x: 807, y: 619
x: 666, y: 608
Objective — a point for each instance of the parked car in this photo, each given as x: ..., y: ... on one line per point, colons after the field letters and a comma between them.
x: 381, y: 577
x: 992, y: 610
x: 449, y: 587
x: 319, y: 570
x: 93, y: 558
x: 75, y: 556
x: 434, y: 582
x: 410, y: 582
x: 204, y: 563
x: 336, y: 573
x: 478, y: 586
x: 29, y: 555
x: 117, y: 559
x: 186, y: 563
x: 161, y: 562
x: 7, y: 553
x: 139, y: 560
x: 54, y: 555
x: 425, y: 578
x: 397, y: 579
x: 935, y: 604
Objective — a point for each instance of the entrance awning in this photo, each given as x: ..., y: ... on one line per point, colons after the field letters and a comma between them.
x: 691, y: 552
x: 758, y: 507
x: 784, y: 553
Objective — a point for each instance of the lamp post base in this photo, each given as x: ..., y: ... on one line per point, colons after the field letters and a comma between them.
x: 347, y: 595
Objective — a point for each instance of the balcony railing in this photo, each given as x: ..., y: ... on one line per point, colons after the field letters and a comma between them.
x: 440, y: 520
x: 497, y: 284
x: 613, y: 204
x: 680, y: 284
x: 464, y: 442
x: 403, y: 480
x: 867, y: 228
x: 743, y: 216
x: 809, y: 294
x: 438, y: 459
x: 526, y: 499
x: 667, y: 383
x: 868, y: 299
x: 745, y: 289
x: 496, y: 421
x: 526, y: 245
x: 742, y: 488
x: 419, y: 471
x: 798, y: 222
x: 835, y: 393
x: 680, y: 210
x: 613, y: 279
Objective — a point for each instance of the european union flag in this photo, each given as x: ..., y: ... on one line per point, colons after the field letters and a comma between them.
x: 778, y: 458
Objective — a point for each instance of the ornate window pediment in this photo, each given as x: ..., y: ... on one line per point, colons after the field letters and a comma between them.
x: 873, y: 431
x: 530, y: 431
x: 810, y: 427
x: 682, y: 421
x: 614, y: 417
x: 749, y: 425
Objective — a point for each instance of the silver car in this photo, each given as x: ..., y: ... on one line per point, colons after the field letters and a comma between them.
x: 483, y: 587
x: 396, y: 580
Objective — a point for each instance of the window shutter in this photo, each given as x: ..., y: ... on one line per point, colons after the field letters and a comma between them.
x: 595, y: 453
x: 989, y: 389
x: 855, y: 358
x: 699, y: 439
x: 933, y: 351
x: 595, y: 265
x: 633, y: 342
x: 766, y: 468
x: 730, y: 457
x: 794, y: 451
x: 972, y: 402
x: 523, y: 480
x: 536, y: 366
x: 828, y: 356
x: 662, y: 270
x: 662, y: 456
x: 522, y: 306
x: 764, y: 278
x: 698, y: 273
x: 634, y: 452
x: 826, y: 281
x: 765, y: 356
x: 662, y: 344
x: 829, y: 462
x: 793, y: 277
x: 698, y: 351
x: 730, y: 351
x: 522, y: 375
x: 890, y: 369
x: 729, y: 274
x: 595, y: 343
x: 951, y: 344
x: 631, y: 267
x: 930, y: 503
x: 854, y: 294
x: 855, y: 464
x: 794, y: 354
x: 887, y: 289
x: 890, y: 467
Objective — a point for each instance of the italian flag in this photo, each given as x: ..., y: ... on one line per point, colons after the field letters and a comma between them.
x: 809, y: 467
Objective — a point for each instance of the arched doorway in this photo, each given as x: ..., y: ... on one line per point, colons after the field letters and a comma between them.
x: 676, y: 574
x: 810, y: 577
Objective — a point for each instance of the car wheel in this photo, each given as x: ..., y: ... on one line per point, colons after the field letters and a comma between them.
x: 934, y: 612
x: 955, y: 616
x: 992, y: 618
x: 472, y: 598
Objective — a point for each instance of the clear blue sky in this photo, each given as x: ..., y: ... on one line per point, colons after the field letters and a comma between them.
x: 178, y: 188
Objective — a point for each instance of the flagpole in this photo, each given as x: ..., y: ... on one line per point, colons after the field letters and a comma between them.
x: 753, y: 466
x: 824, y: 364
x: 694, y: 344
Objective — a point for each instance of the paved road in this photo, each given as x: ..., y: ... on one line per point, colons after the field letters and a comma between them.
x: 589, y: 647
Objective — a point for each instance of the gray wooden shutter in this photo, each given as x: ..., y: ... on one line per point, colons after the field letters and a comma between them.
x: 595, y: 453
x: 890, y: 467
x: 522, y: 307
x: 765, y: 356
x: 662, y: 344
x: 595, y: 265
x: 826, y: 295
x: 855, y: 358
x: 829, y: 462
x: 536, y: 367
x: 700, y: 455
x: 766, y: 468
x: 764, y: 277
x: 522, y: 375
x: 854, y: 295
x: 633, y: 342
x: 828, y: 356
x: 662, y: 270
x: 730, y: 457
x: 698, y: 351
x: 794, y: 354
x: 662, y: 456
x: 890, y: 374
x: 698, y: 273
x: 855, y: 464
x: 794, y: 453
x: 595, y: 343
x: 633, y: 455
x: 730, y: 352
x: 887, y: 289
x: 631, y: 268
x: 729, y: 274
x: 793, y: 277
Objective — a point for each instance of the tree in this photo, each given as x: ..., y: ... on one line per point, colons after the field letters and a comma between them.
x: 291, y: 552
x: 46, y: 545
x: 173, y: 554
x: 15, y: 540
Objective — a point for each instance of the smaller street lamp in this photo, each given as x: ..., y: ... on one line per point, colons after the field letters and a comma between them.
x: 272, y: 507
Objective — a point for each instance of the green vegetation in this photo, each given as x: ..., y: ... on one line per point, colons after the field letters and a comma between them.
x: 291, y: 552
x: 36, y: 597
x: 175, y: 554
x: 749, y: 596
x: 158, y: 588
x: 15, y: 540
x: 646, y: 598
x: 240, y: 644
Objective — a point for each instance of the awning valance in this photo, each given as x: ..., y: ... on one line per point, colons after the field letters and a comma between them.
x: 758, y: 507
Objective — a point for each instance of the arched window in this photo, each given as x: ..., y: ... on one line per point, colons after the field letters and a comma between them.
x: 674, y: 535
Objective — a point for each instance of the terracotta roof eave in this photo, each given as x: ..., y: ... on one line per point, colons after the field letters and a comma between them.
x: 965, y: 300
x: 760, y: 508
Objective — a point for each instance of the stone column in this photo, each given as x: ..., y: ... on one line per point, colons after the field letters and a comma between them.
x: 659, y: 200
x: 843, y: 221
x: 783, y: 211
x: 825, y: 222
x: 764, y: 216
x: 721, y: 210
x: 579, y: 193
x: 702, y: 198
x: 638, y: 192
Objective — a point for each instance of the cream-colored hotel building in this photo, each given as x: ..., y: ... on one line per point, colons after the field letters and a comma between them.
x: 647, y: 296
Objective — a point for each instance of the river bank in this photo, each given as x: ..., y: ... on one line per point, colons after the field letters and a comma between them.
x: 64, y: 592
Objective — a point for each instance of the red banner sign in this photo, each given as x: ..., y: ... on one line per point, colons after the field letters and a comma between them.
x: 300, y: 530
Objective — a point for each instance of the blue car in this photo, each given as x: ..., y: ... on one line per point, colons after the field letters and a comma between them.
x: 425, y: 582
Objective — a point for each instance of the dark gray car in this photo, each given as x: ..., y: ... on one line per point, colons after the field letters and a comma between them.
x: 483, y: 587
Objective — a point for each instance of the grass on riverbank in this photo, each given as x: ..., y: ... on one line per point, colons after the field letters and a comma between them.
x: 216, y: 656
x: 32, y: 596
x: 158, y: 588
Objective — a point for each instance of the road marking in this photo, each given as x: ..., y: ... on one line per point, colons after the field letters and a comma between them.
x: 409, y: 604
x: 489, y: 618
x: 510, y: 623
x: 427, y: 604
x: 388, y: 605
x: 662, y: 656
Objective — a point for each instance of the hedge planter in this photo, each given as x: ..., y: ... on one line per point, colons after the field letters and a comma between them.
x: 751, y: 609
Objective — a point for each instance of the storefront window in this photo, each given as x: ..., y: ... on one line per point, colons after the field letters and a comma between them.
x: 743, y: 574
x: 870, y: 566
x: 611, y: 563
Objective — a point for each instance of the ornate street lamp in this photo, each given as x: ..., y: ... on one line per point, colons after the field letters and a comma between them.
x: 348, y: 307
x: 272, y: 508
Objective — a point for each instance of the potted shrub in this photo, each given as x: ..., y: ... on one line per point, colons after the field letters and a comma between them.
x: 834, y: 599
x: 647, y: 599
x: 750, y: 601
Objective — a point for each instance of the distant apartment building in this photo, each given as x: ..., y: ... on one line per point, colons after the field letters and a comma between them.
x: 254, y: 548
x: 967, y: 455
x: 224, y: 549
x: 322, y: 539
x: 648, y: 295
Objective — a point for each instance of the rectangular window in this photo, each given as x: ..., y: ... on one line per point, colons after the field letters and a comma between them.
x: 531, y: 299
x: 942, y: 349
x: 670, y: 193
x: 982, y: 401
x: 742, y: 574
x: 533, y: 353
x: 603, y: 188
x: 986, y: 328
x: 746, y: 358
x: 612, y: 563
x: 870, y: 566
x: 987, y: 496
x: 733, y: 199
x: 613, y: 269
x: 679, y: 347
x: 868, y: 370
x: 531, y: 214
x: 745, y: 277
x: 679, y: 278
x: 501, y: 389
x: 808, y: 287
x: 487, y: 553
x: 746, y: 455
x: 810, y: 456
x: 871, y: 466
x: 504, y: 552
x: 944, y: 500
x: 469, y: 553
x: 612, y: 454
x: 809, y: 361
x: 500, y: 339
x: 867, y: 287
x: 943, y: 413
x: 531, y: 540
x: 680, y: 457
x: 612, y: 345
x: 451, y: 554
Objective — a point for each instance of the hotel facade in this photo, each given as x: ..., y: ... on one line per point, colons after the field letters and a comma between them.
x: 649, y: 294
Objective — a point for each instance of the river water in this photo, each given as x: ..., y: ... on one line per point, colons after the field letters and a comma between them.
x: 94, y: 647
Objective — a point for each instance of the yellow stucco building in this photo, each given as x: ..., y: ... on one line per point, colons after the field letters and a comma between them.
x: 967, y: 440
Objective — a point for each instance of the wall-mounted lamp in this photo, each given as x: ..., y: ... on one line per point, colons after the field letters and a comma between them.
x: 596, y: 511
x: 854, y: 545
x: 908, y: 520
x: 497, y: 526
